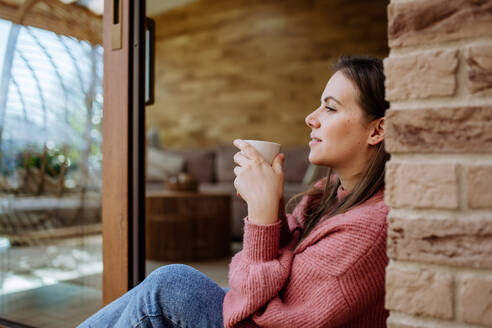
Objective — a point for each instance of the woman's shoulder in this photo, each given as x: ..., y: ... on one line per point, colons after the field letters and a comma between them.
x: 364, y: 223
x: 366, y: 219
x: 374, y: 209
x: 344, y: 239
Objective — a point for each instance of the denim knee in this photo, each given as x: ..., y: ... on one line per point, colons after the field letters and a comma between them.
x: 177, y: 282
x: 183, y: 289
x: 171, y: 273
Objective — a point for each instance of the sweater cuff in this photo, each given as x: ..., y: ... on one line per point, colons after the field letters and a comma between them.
x: 261, y: 241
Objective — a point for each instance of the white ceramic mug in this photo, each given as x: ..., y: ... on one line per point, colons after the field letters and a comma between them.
x: 268, y: 150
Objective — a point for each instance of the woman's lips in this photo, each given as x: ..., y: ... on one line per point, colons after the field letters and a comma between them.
x: 314, y: 141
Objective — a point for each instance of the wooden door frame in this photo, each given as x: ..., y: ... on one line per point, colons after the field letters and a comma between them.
x: 123, y: 193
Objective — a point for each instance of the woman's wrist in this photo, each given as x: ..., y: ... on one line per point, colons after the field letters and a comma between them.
x: 258, y: 215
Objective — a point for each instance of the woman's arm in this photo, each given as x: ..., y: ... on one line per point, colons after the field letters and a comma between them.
x: 310, y: 289
x: 257, y: 273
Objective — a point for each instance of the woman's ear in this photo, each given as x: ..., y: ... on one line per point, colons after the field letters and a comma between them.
x: 377, y: 132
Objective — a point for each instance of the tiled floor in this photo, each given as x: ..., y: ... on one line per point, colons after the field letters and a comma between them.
x: 59, y: 305
x: 67, y: 301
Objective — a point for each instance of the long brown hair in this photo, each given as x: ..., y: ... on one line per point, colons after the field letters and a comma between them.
x: 366, y: 73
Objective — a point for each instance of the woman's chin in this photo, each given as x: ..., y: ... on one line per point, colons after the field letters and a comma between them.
x: 317, y: 161
x: 313, y: 160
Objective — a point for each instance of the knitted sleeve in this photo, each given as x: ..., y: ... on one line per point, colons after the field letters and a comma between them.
x: 257, y: 273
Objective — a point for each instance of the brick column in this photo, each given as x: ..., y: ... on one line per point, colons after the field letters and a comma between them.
x: 439, y: 179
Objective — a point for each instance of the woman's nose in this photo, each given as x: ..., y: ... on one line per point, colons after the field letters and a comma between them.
x: 311, y: 120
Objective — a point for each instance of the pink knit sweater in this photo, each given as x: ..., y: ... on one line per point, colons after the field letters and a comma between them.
x: 334, y: 278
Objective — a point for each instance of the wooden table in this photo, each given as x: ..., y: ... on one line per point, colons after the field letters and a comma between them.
x: 183, y: 225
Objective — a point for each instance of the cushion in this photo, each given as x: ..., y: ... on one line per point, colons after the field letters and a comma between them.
x: 224, y: 163
x: 200, y: 163
x: 155, y: 175
x: 295, y: 164
x: 162, y: 164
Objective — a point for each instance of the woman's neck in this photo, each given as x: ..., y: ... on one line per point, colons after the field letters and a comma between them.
x: 349, y: 181
x: 352, y: 172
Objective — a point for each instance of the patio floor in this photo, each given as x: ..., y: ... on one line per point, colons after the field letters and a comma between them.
x: 60, y: 285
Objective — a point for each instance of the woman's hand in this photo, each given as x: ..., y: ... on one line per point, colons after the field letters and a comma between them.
x: 258, y: 183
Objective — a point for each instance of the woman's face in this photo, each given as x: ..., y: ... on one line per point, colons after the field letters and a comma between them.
x: 339, y: 132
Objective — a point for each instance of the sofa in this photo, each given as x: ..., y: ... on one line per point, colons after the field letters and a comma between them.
x: 213, y: 170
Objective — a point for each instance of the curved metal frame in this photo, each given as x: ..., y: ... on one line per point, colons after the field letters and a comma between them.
x: 52, y: 62
x: 21, y: 97
x: 38, y: 86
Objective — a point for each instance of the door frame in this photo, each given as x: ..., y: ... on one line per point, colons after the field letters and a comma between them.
x: 137, y: 137
x: 123, y: 186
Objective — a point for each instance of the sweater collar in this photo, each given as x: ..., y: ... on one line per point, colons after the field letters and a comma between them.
x: 342, y: 193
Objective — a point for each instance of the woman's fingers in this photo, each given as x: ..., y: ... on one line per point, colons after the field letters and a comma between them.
x: 247, y: 150
x: 240, y: 159
x: 237, y: 170
x: 277, y: 163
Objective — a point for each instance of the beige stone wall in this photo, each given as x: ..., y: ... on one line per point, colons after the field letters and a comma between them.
x: 439, y: 179
x: 253, y: 68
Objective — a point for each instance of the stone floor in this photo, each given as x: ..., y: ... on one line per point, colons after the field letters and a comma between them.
x: 60, y: 285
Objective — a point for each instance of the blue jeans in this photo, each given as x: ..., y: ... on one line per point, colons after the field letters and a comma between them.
x: 172, y: 296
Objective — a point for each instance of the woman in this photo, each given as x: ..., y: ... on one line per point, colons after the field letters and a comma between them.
x: 321, y: 266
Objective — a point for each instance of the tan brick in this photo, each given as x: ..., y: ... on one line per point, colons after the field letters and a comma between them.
x: 420, y: 185
x: 439, y: 130
x: 423, y: 22
x: 462, y: 242
x: 479, y: 186
x: 402, y: 325
x: 423, y: 292
x: 476, y: 301
x: 394, y: 323
x: 479, y: 68
x: 424, y: 75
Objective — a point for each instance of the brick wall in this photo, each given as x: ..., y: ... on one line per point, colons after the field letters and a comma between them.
x: 439, y: 179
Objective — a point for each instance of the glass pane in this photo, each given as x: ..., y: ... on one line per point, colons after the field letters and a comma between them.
x: 191, y: 217
x: 50, y: 177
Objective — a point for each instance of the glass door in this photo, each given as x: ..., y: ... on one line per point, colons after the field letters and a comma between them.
x: 51, y: 99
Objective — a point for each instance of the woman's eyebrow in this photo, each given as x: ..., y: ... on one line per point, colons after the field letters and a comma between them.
x: 332, y: 98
